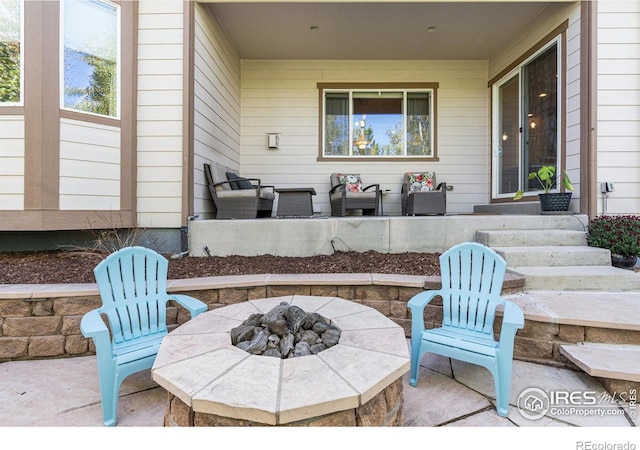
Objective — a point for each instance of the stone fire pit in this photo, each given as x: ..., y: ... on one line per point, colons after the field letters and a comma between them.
x: 357, y: 382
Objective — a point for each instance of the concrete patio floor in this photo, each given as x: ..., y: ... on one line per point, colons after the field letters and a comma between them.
x: 65, y: 393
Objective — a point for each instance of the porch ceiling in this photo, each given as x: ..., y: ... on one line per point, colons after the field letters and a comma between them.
x: 363, y: 30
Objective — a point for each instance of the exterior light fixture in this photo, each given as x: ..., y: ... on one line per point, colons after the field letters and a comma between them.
x: 273, y: 141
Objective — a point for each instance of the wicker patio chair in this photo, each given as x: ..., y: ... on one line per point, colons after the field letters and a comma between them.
x: 422, y: 196
x: 347, y: 194
x: 235, y: 197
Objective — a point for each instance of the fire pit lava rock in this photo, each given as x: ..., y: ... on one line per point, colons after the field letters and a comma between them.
x: 286, y: 331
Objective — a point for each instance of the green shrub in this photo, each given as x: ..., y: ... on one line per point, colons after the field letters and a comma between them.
x: 619, y: 234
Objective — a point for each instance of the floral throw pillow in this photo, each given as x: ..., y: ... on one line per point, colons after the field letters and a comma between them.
x: 352, y: 183
x: 421, y: 181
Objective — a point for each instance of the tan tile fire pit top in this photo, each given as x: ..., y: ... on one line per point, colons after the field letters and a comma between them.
x: 198, y: 364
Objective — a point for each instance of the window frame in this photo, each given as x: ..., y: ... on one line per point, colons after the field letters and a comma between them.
x: 352, y: 88
x: 17, y: 107
x: 73, y: 113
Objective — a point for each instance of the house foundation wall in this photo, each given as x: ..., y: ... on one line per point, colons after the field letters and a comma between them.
x: 384, y: 234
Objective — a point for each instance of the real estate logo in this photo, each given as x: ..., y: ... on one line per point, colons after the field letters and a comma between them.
x: 534, y: 403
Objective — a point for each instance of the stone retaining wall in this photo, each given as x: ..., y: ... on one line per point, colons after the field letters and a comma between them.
x: 49, y: 327
x: 41, y: 323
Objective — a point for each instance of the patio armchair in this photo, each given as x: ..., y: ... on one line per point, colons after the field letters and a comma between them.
x: 235, y: 197
x: 347, y: 194
x: 472, y: 276
x: 133, y: 287
x: 421, y: 196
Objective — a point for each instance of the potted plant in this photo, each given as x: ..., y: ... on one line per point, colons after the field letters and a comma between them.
x: 550, y: 201
x: 618, y: 234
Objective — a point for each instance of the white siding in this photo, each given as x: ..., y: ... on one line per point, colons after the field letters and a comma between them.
x: 11, y: 162
x: 89, y: 166
x: 572, y: 95
x: 159, y: 170
x: 282, y: 97
x: 619, y: 105
x: 216, y: 104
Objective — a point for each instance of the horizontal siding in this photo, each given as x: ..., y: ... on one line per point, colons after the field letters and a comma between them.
x: 89, y: 166
x: 160, y: 113
x: 268, y: 106
x: 618, y: 112
x: 572, y: 112
x: 216, y: 104
x: 11, y: 162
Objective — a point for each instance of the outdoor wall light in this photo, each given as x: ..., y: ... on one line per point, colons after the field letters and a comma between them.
x: 273, y: 141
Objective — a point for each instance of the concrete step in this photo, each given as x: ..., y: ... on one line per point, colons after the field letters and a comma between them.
x: 611, y: 361
x: 579, y: 278
x: 530, y: 238
x: 599, y: 332
x: 557, y: 255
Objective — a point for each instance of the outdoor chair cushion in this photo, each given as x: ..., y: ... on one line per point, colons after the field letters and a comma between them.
x: 241, y: 193
x: 352, y: 182
x: 421, y: 181
x: 354, y: 195
x: 240, y: 184
x: 219, y: 174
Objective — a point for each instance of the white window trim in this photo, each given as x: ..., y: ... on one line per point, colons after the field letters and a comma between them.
x: 118, y: 62
x: 404, y: 92
x: 20, y: 101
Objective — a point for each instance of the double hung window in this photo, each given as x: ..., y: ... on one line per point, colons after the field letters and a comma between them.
x: 378, y: 121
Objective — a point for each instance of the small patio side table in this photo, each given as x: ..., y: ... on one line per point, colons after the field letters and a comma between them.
x: 295, y: 202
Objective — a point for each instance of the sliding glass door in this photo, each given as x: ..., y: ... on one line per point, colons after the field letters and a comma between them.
x: 526, y: 121
x: 507, y: 153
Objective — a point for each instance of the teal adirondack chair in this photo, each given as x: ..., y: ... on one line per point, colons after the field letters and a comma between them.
x: 133, y: 287
x: 472, y: 277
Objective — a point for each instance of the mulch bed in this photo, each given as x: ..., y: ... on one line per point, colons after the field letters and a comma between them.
x: 54, y: 267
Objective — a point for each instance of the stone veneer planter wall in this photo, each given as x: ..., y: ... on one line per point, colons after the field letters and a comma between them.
x: 43, y: 321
